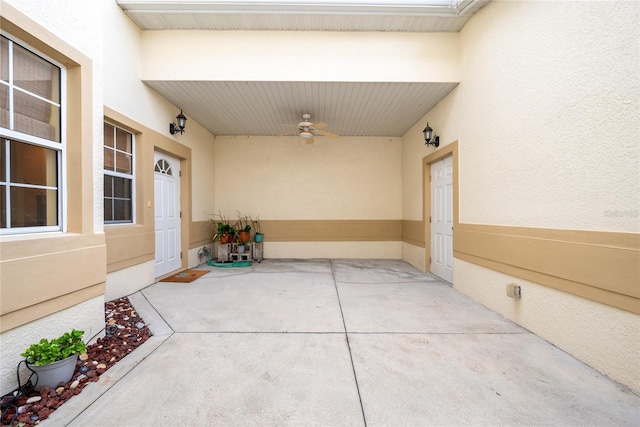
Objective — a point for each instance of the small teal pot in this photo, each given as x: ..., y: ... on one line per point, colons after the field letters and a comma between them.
x: 259, y: 237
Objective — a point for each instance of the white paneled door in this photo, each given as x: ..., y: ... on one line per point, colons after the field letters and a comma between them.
x: 167, y: 213
x: 442, y: 218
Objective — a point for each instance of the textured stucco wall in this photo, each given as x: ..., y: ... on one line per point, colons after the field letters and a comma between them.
x: 334, y: 179
x: 102, y: 32
x: 300, y: 56
x: 606, y: 338
x: 79, y: 24
x: 414, y: 255
x: 125, y: 93
x: 363, y: 250
x: 548, y: 115
x: 284, y: 178
x: 547, y: 119
x: 446, y: 125
x: 196, y: 260
x: 129, y: 280
x: 12, y: 343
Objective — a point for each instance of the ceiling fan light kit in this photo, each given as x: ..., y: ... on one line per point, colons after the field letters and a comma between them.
x: 305, y: 134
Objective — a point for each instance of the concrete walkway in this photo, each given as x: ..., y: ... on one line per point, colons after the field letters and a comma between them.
x: 339, y: 343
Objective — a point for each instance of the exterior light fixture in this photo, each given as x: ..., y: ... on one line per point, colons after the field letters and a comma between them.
x: 429, y: 138
x: 175, y: 128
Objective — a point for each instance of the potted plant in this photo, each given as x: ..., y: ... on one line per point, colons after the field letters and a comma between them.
x: 256, y: 226
x: 244, y: 234
x: 243, y: 225
x: 225, y: 232
x: 54, y: 361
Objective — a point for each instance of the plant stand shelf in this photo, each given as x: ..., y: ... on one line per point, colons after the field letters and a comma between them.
x: 256, y: 249
x: 246, y: 256
x: 223, y: 252
x: 229, y: 252
x: 236, y: 255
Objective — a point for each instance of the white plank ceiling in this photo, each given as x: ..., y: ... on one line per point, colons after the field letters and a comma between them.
x: 267, y: 108
x: 302, y: 15
x: 280, y: 22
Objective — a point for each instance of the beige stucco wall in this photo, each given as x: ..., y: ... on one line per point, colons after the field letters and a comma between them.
x: 87, y: 316
x: 363, y: 250
x: 333, y: 179
x: 284, y: 178
x: 129, y: 280
x: 73, y: 32
x: 300, y: 56
x: 446, y: 126
x: 603, y: 337
x: 125, y: 93
x: 414, y: 255
x: 100, y: 32
x: 546, y: 116
x: 80, y: 25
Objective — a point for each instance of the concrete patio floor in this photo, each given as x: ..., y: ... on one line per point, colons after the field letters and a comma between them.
x: 339, y: 343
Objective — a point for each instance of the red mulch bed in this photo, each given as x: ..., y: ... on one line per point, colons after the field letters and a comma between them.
x: 124, y: 331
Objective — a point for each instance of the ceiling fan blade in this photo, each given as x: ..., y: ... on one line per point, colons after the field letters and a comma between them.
x: 290, y: 133
x: 319, y: 125
x: 329, y: 134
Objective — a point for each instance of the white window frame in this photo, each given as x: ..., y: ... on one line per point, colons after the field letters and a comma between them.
x: 132, y: 177
x: 59, y: 147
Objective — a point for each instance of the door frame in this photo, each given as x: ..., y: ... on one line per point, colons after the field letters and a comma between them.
x: 452, y: 150
x: 183, y: 154
x: 177, y: 172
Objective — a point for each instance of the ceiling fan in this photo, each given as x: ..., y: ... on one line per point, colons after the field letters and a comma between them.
x: 307, y: 130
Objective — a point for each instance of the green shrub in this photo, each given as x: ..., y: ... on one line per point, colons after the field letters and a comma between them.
x: 46, y: 351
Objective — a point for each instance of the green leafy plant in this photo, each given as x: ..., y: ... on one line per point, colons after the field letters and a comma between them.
x: 49, y: 351
x: 222, y: 227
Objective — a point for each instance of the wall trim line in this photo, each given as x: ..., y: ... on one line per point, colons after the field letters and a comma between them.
x: 600, y: 266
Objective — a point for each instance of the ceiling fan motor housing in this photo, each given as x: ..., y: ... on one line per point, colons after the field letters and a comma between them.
x: 307, y: 129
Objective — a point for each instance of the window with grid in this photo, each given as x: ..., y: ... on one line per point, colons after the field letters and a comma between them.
x: 118, y: 175
x: 31, y: 140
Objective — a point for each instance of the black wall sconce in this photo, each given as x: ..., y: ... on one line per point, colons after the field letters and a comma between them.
x: 429, y: 139
x: 175, y: 128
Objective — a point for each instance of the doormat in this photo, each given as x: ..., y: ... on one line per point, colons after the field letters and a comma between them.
x: 186, y: 276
